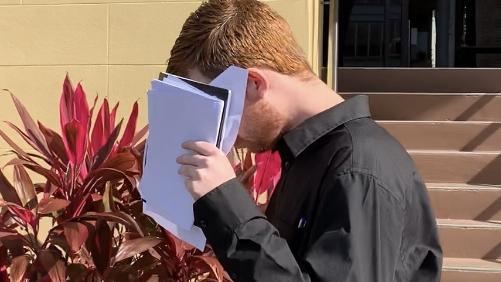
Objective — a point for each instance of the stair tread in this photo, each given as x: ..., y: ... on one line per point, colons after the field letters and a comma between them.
x: 421, y: 93
x: 455, y: 152
x: 445, y: 122
x: 469, y: 223
x: 463, y: 187
x: 471, y: 264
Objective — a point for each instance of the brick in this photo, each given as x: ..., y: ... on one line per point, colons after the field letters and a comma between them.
x: 95, y: 1
x: 145, y: 33
x: 39, y: 89
x: 139, y: 39
x: 53, y: 35
x: 10, y: 2
x: 296, y: 13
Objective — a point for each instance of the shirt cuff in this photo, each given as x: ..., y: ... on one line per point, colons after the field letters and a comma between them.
x: 224, y: 209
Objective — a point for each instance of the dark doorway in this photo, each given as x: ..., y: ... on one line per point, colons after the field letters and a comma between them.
x: 420, y: 33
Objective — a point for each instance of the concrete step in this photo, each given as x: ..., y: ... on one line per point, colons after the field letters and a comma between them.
x: 462, y: 201
x: 418, y: 80
x: 470, y: 238
x: 435, y: 107
x: 458, y: 167
x: 446, y: 135
x: 471, y: 270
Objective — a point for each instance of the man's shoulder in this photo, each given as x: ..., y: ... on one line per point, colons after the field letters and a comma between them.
x: 370, y: 149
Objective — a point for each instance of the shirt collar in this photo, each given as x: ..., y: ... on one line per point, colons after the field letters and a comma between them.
x: 301, y: 137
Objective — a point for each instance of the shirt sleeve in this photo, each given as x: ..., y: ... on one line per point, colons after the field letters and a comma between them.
x: 355, y: 235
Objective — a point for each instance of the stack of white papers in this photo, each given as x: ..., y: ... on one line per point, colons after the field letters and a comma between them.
x: 180, y: 110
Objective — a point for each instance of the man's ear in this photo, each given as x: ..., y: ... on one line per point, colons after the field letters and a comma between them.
x: 258, y: 84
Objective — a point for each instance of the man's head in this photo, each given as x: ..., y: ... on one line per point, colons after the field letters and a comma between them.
x: 248, y: 34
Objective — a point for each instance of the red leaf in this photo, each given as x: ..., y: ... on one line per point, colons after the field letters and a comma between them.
x: 96, y: 197
x: 55, y: 267
x: 55, y: 143
x: 13, y: 145
x: 66, y: 103
x: 214, y: 266
x: 48, y: 174
x: 113, y: 116
x: 29, y: 140
x: 268, y: 169
x: 30, y: 126
x: 17, y: 161
x: 100, y: 246
x: 23, y: 185
x: 109, y: 121
x: 78, y: 272
x: 82, y: 113
x: 50, y: 205
x: 4, y: 263
x: 76, y: 234
x: 18, y: 268
x: 91, y: 112
x: 74, y: 137
x: 98, y: 138
x: 24, y: 215
x: 7, y: 191
x: 105, y: 150
x: 136, y: 246
x: 121, y: 161
x: 130, y: 129
x: 4, y: 233
x: 139, y: 135
x: 118, y: 217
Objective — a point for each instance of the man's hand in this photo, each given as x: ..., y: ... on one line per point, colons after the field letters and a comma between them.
x: 205, y: 169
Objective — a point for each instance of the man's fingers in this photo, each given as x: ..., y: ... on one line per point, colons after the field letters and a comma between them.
x: 200, y: 147
x: 194, y: 160
x: 189, y: 171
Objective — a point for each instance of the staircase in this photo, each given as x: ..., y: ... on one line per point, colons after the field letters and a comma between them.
x: 455, y: 140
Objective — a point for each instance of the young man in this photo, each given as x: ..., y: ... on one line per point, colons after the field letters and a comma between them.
x: 350, y: 205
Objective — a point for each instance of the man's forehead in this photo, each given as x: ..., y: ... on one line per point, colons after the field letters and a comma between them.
x: 196, y: 75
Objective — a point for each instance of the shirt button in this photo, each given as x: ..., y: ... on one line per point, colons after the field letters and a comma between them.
x: 233, y: 276
x: 203, y: 224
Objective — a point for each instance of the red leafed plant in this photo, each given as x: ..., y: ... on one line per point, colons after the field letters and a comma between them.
x: 260, y: 173
x: 89, y: 194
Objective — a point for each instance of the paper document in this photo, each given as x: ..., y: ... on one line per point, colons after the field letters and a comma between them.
x: 179, y: 110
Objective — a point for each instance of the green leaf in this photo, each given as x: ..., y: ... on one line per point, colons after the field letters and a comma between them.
x: 108, y: 198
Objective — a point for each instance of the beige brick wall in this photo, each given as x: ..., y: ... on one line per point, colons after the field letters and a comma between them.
x: 115, y: 47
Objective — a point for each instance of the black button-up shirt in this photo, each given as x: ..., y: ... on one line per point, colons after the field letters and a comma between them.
x: 350, y: 206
